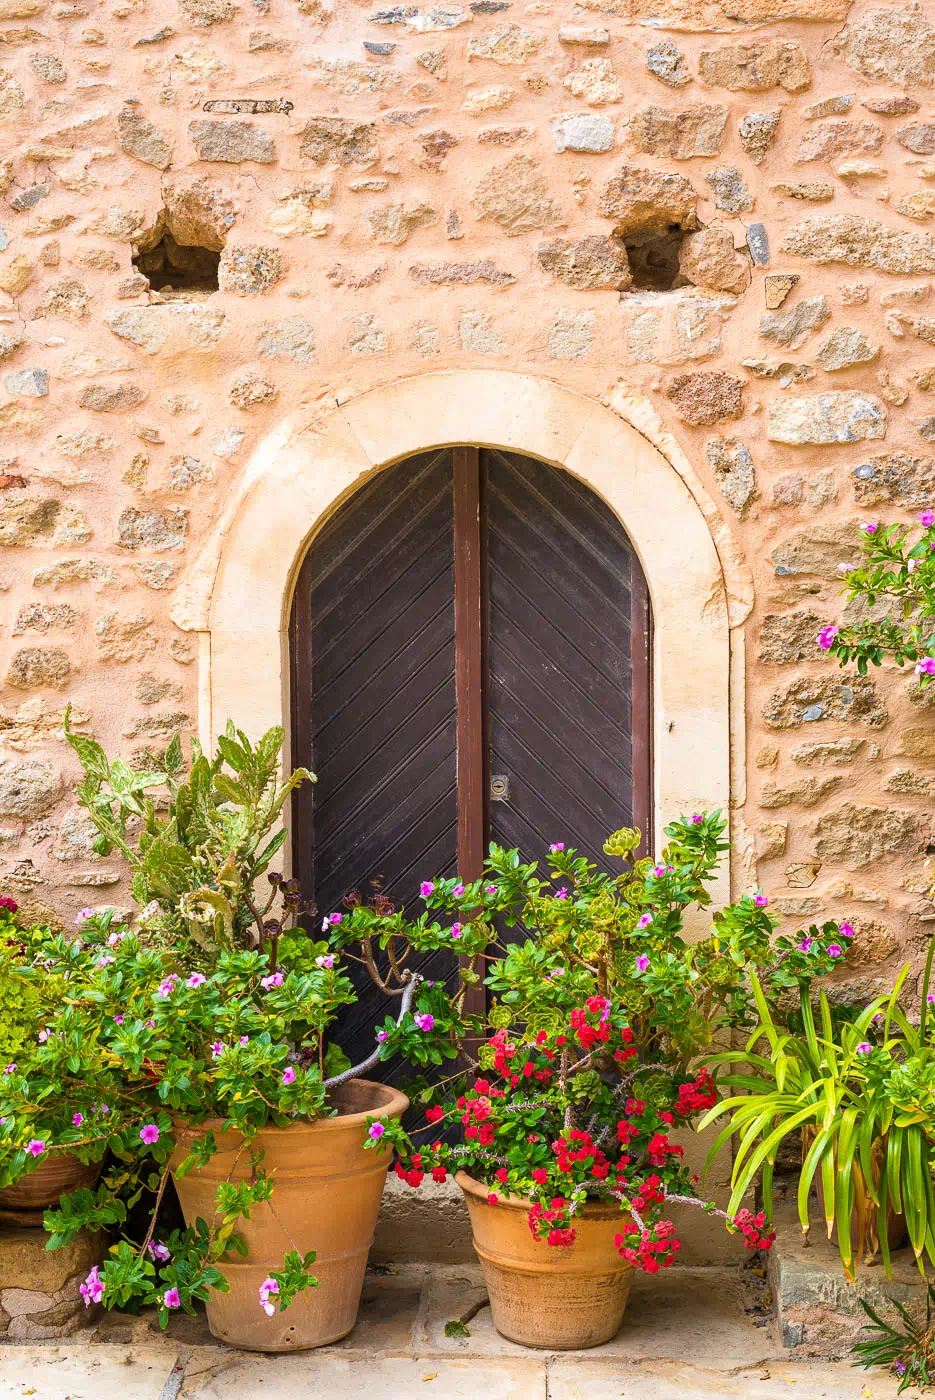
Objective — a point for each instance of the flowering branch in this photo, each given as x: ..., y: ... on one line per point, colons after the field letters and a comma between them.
x: 412, y: 982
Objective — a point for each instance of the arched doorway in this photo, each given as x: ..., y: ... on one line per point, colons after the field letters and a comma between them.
x: 469, y: 647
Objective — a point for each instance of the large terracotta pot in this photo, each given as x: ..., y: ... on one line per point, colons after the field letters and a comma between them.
x: 557, y: 1298
x: 57, y: 1173
x: 326, y: 1197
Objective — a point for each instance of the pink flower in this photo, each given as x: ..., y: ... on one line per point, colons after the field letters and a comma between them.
x: 761, y: 901
x: 426, y: 889
x: 42, y: 1037
x: 424, y: 1020
x: 382, y: 1035
x: 159, y: 1251
x: 659, y: 871
x: 118, y: 1020
x: 458, y: 891
x: 244, y: 1040
x: 376, y: 1131
x: 456, y: 930
x: 926, y: 518
x: 644, y: 921
x: 326, y: 960
x: 697, y: 819
x: 490, y: 889
x: 561, y: 893
x: 492, y: 1198
x: 330, y: 919
x: 149, y: 1134
x: 557, y: 972
x: 864, y: 1048
x: 105, y: 961
x: 167, y: 987
x: 557, y: 846
x: 77, y: 1119
x: 197, y: 979
x: 288, y: 1075
x: 642, y: 962
x: 834, y: 950
x: 83, y: 915
x: 171, y: 1298
x: 92, y: 1290
x: 11, y: 1068
x: 217, y: 1049
x: 826, y: 636
x: 846, y: 930
x: 36, y: 1146
x: 268, y: 1290
x: 805, y: 946
x: 870, y: 528
x: 275, y: 979
x: 925, y: 666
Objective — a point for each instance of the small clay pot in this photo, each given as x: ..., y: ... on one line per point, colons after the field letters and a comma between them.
x: 58, y: 1173
x: 553, y: 1298
x: 326, y: 1197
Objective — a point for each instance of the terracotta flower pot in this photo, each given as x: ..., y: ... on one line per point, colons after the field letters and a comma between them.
x: 57, y: 1173
x: 326, y: 1197
x: 557, y: 1298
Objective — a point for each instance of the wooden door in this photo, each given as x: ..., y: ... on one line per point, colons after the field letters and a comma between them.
x: 470, y: 662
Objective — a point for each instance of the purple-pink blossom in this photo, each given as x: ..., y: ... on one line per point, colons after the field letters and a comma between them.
x: 330, y: 919
x: 490, y: 889
x: 458, y: 891
x: 77, y: 1119
x: 926, y: 518
x: 557, y: 972
x: 268, y: 1289
x: 834, y: 950
x: 326, y: 961
x: 288, y: 1075
x: 149, y: 1134
x: 118, y: 1020
x: 424, y: 1020
x: 659, y: 871
x: 376, y: 1131
x: 36, y: 1147
x: 557, y: 846
x: 870, y: 527
x: 864, y: 1048
x: 159, y: 1251
x: 761, y: 901
x: 11, y: 1068
x: 925, y: 666
x: 456, y: 930
x: 644, y: 921
x: 92, y: 1290
x: 217, y: 1049
x: 167, y: 987
x: 197, y: 979
x: 846, y: 930
x: 275, y: 979
x: 805, y: 946
x: 426, y: 889
x: 382, y: 1035
x: 561, y: 893
x: 83, y: 915
x: 826, y: 636
x: 642, y: 962
x: 171, y: 1298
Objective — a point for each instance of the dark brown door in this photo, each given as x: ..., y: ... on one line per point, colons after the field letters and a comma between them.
x: 470, y: 662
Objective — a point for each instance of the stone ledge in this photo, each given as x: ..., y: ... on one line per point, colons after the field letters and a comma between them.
x: 818, y: 1312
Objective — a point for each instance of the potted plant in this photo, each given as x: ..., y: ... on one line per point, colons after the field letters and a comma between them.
x: 585, y: 1066
x: 862, y: 1095
x: 196, y: 1047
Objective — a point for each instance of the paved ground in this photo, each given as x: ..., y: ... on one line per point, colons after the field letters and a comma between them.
x: 694, y: 1334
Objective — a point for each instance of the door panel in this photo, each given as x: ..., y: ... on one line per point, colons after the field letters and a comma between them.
x: 482, y: 578
x: 373, y: 678
x: 560, y: 670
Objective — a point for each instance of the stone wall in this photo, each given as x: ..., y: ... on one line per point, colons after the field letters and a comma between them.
x: 722, y: 203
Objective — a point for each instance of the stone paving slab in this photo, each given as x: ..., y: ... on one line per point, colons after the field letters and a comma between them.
x: 82, y: 1372
x: 579, y: 1379
x: 327, y: 1374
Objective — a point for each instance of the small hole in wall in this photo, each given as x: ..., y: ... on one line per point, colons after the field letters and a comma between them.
x: 179, y: 268
x: 654, y: 259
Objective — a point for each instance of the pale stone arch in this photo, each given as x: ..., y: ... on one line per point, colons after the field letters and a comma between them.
x: 238, y: 593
